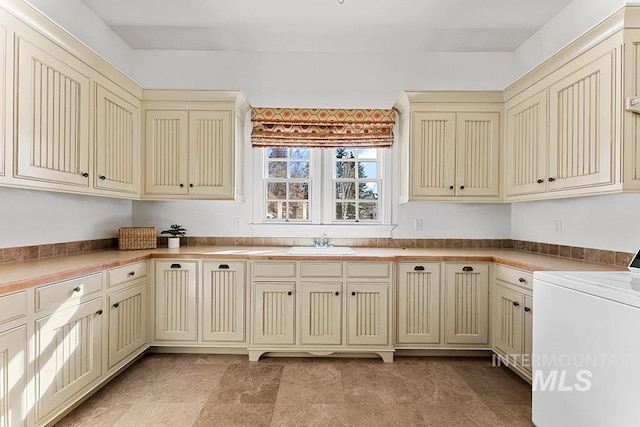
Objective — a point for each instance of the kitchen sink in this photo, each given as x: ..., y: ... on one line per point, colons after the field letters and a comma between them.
x: 320, y: 250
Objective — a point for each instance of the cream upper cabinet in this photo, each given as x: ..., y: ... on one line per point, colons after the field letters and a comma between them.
x: 13, y: 380
x: 581, y: 138
x: 449, y: 146
x: 176, y: 296
x: 321, y: 313
x: 526, y: 146
x: 466, y: 303
x: 117, y: 148
x: 223, y: 301
x: 5, y: 80
x: 194, y: 144
x: 418, y: 305
x: 53, y: 134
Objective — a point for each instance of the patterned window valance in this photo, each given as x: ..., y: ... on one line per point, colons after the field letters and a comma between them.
x: 323, y: 128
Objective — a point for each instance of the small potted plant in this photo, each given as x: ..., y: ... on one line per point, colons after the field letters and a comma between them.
x: 176, y: 231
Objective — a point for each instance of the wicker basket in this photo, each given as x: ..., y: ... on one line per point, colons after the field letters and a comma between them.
x: 132, y: 238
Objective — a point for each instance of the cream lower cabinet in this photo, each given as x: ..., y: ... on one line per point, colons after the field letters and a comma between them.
x: 418, y: 303
x: 13, y: 381
x: 274, y: 313
x: 466, y: 303
x: 176, y: 301
x: 223, y: 301
x: 321, y: 313
x: 368, y: 313
x: 68, y: 355
x: 513, y: 318
x: 127, y: 322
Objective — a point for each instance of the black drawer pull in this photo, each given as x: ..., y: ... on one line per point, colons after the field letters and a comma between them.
x: 132, y: 273
x: 176, y: 266
x: 467, y: 268
x: 99, y: 312
x: 527, y: 309
x: 516, y: 304
x: 223, y: 266
x: 540, y: 181
x: 77, y: 289
x: 418, y: 268
x: 116, y: 305
x: 521, y: 280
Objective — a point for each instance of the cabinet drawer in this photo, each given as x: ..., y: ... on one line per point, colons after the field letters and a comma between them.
x: 13, y: 306
x: 514, y: 276
x: 266, y: 270
x: 368, y: 269
x: 50, y: 295
x: 320, y: 269
x: 120, y: 275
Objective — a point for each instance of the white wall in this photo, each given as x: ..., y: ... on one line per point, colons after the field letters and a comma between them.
x: 31, y: 217
x: 603, y: 222
x: 574, y: 20
x: 75, y: 17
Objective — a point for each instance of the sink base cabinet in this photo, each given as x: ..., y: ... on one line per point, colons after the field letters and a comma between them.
x: 321, y: 308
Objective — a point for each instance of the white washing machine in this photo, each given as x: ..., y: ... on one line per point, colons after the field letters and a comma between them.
x: 586, y: 349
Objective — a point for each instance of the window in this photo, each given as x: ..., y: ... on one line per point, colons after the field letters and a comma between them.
x: 323, y: 186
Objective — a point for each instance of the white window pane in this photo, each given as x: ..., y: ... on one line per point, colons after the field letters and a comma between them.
x: 299, y: 190
x: 299, y: 210
x: 345, y: 169
x: 368, y: 190
x: 277, y: 170
x: 368, y: 211
x: 345, y: 190
x: 276, y: 210
x: 276, y: 190
x: 368, y: 153
x: 345, y: 153
x: 277, y: 153
x: 300, y: 153
x: 367, y: 169
x: 345, y: 211
x: 299, y: 170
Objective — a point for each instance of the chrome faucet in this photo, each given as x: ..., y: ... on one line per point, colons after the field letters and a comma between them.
x: 322, y: 242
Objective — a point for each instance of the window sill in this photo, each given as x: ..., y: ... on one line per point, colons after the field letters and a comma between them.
x: 336, y: 231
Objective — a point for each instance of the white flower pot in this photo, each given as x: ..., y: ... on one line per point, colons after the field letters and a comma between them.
x: 174, y: 242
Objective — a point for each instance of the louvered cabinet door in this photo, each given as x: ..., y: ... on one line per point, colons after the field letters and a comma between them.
x: 274, y: 308
x: 432, y: 153
x: 127, y: 322
x: 581, y: 141
x: 466, y: 287
x: 13, y: 346
x: 52, y: 131
x: 418, y: 311
x: 117, y: 141
x: 368, y: 313
x: 211, y: 153
x: 167, y: 152
x: 526, y: 146
x: 68, y: 354
x: 321, y: 313
x: 507, y: 331
x: 477, y: 154
x: 176, y: 311
x: 223, y: 301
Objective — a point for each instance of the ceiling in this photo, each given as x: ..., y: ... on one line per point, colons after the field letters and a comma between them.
x: 327, y: 26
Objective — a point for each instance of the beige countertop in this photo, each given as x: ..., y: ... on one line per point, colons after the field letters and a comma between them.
x: 22, y: 275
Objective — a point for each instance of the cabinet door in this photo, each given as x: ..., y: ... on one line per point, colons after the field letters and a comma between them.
x: 321, y: 313
x: 223, y: 305
x: 167, y: 152
x: 466, y: 290
x: 433, y: 146
x: 211, y: 153
x: 478, y: 154
x: 68, y: 354
x: 274, y: 304
x: 117, y: 141
x: 581, y: 110
x: 52, y: 95
x: 13, y: 349
x: 127, y: 322
x: 526, y: 147
x: 419, y: 303
x: 368, y: 313
x: 4, y: 82
x: 507, y: 332
x: 528, y: 333
x: 176, y: 310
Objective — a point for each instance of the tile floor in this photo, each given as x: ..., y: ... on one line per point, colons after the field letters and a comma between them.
x: 209, y: 390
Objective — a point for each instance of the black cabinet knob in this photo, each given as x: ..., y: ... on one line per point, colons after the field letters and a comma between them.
x: 181, y: 185
x: 521, y: 280
x: 191, y: 185
x: 132, y: 273
x: 290, y: 293
x: 77, y: 289
x: 516, y: 304
x: 102, y: 177
x: 353, y: 293
x: 451, y: 187
x: 337, y: 293
x: 551, y: 179
x: 85, y: 174
x: 540, y: 181
x: 99, y: 312
x: 527, y: 309
x: 462, y: 187
x: 116, y: 305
